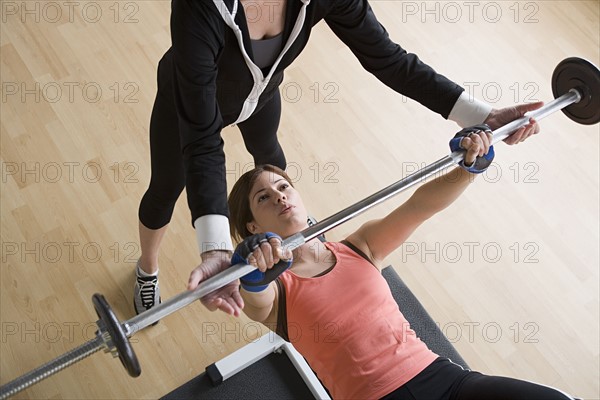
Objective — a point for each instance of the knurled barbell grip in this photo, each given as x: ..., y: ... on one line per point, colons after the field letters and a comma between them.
x: 66, y: 360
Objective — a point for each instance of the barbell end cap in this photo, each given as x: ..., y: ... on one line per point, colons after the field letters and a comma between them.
x: 580, y: 92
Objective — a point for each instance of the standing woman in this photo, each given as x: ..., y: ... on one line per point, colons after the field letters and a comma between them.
x: 225, y: 67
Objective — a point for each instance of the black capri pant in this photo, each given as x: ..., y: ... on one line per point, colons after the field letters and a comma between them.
x: 444, y: 380
x: 168, y: 173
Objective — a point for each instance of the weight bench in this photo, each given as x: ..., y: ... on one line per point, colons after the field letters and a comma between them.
x: 271, y: 368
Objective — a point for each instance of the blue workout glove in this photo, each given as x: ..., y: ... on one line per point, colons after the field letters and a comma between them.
x: 481, y: 163
x: 257, y: 281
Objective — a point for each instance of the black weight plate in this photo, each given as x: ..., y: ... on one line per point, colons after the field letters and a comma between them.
x: 117, y: 334
x: 582, y: 75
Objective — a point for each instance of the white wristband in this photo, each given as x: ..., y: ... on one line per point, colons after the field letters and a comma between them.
x: 212, y: 233
x: 469, y: 111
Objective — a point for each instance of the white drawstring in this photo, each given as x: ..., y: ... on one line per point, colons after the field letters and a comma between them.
x: 260, y: 81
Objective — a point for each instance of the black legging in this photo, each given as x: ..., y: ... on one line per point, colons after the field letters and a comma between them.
x: 444, y: 380
x: 168, y: 173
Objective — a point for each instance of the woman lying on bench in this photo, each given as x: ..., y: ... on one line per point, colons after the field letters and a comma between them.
x: 334, y: 305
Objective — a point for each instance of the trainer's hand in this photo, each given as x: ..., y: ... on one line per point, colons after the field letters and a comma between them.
x: 501, y: 117
x: 227, y: 298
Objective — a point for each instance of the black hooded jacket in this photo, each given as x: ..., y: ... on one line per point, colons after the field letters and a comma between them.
x: 205, y: 75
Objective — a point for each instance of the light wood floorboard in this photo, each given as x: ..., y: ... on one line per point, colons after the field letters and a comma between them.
x: 510, y: 272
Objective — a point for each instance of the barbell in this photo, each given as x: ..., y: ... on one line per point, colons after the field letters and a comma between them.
x: 576, y: 88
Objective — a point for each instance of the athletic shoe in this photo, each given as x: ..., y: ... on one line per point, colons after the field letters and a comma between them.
x: 146, y: 292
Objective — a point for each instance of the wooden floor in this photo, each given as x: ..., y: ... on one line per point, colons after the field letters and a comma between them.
x: 510, y: 272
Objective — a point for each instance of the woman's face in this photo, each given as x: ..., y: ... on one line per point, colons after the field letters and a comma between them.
x: 276, y: 206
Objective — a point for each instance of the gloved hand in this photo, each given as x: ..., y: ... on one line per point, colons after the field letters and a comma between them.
x: 476, y: 140
x: 264, y: 251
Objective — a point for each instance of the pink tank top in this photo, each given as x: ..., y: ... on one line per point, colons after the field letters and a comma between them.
x: 350, y: 330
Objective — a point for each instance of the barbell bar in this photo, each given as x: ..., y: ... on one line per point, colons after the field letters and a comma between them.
x: 576, y: 86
